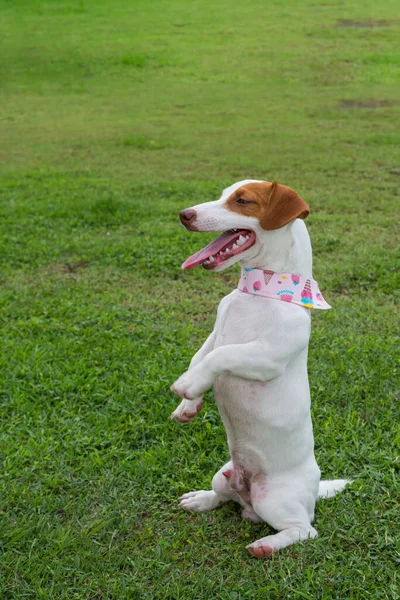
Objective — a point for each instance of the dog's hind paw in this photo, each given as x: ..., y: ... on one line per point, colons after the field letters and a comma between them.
x: 199, y: 501
x: 260, y: 550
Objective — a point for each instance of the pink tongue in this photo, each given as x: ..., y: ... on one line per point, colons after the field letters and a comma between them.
x: 213, y: 247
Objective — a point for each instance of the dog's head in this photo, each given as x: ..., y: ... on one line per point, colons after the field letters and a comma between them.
x: 245, y: 212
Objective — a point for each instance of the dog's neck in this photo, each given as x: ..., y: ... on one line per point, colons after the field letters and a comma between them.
x: 289, y: 287
x: 285, y: 250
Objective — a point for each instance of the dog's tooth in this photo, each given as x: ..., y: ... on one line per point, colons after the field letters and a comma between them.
x: 211, y: 259
x: 241, y: 239
x: 235, y: 247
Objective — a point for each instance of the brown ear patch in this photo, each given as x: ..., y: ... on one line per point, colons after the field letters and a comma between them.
x: 274, y: 205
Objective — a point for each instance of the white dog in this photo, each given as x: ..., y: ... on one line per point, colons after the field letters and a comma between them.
x: 256, y: 359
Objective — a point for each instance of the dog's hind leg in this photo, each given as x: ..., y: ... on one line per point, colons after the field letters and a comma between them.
x: 221, y: 492
x: 286, y: 511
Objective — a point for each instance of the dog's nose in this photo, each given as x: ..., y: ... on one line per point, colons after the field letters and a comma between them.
x: 187, y: 216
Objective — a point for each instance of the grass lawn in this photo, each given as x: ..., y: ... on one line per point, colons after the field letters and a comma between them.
x: 115, y: 116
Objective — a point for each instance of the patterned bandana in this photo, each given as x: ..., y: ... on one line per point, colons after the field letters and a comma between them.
x: 303, y: 291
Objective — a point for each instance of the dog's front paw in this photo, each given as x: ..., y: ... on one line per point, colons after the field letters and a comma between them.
x: 191, y: 384
x: 187, y: 410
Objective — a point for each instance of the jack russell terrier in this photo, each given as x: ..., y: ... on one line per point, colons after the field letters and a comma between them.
x: 256, y: 359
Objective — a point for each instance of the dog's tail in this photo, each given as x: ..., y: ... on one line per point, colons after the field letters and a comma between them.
x: 328, y: 489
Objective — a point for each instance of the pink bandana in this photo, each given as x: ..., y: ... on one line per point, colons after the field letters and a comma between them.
x: 303, y: 291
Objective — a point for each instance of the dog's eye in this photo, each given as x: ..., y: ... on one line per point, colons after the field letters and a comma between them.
x: 242, y: 201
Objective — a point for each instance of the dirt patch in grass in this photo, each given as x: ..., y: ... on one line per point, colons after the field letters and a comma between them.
x: 350, y: 24
x: 64, y: 268
x: 360, y: 104
x: 72, y: 268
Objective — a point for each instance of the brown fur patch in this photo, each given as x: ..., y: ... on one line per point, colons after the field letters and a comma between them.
x: 273, y: 204
x: 239, y: 481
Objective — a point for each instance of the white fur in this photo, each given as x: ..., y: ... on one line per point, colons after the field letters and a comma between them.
x: 256, y: 359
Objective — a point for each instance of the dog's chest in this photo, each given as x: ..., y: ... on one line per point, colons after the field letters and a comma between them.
x: 244, y: 318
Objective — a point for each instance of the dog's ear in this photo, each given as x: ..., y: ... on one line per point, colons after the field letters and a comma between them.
x: 282, y: 205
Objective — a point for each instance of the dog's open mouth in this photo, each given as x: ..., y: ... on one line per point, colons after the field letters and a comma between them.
x: 227, y: 244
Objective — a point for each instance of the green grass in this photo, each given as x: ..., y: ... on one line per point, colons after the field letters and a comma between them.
x: 114, y: 117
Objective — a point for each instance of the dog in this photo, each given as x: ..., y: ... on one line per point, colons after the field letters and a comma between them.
x: 256, y: 361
